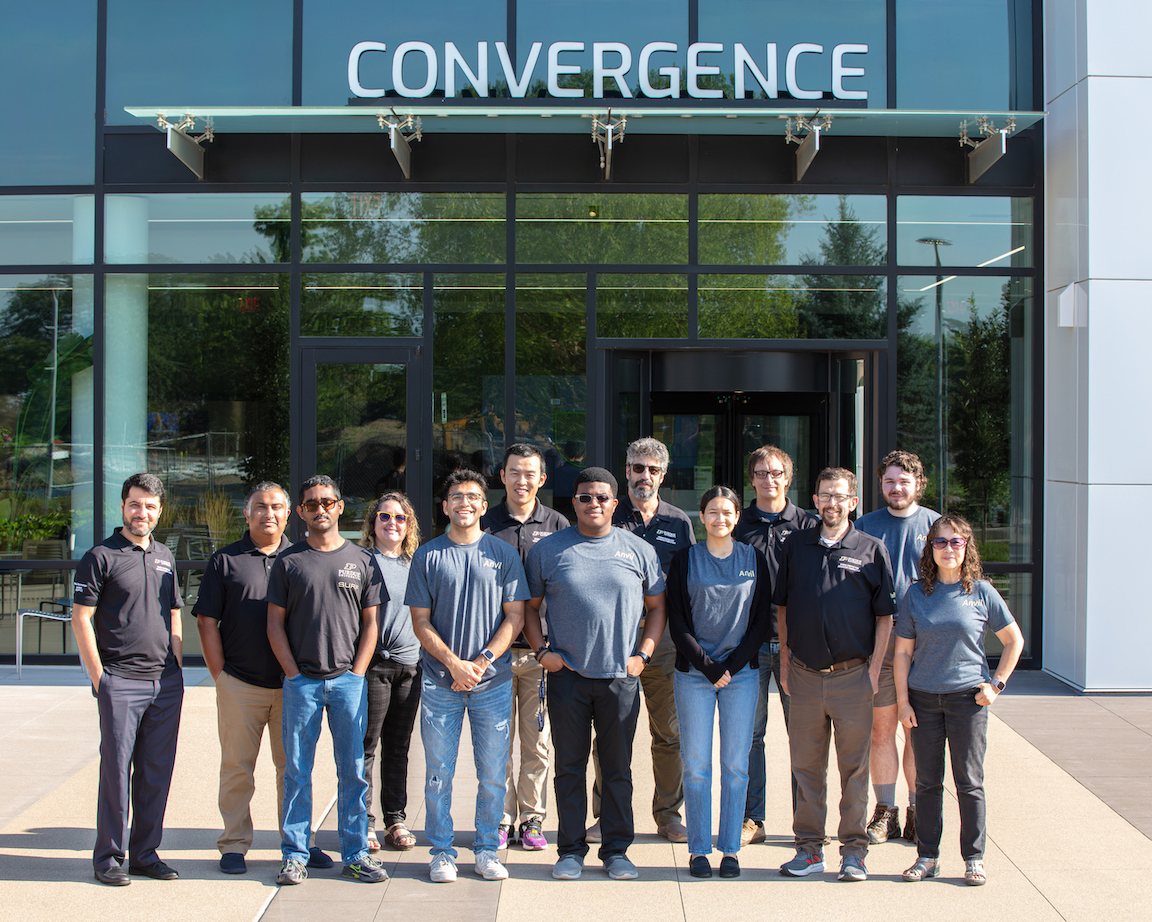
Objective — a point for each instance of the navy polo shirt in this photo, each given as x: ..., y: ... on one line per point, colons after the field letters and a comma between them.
x: 133, y: 591
x: 234, y: 591
x: 834, y: 595
x: 669, y: 530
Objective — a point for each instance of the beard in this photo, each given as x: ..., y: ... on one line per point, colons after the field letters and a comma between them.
x: 644, y: 492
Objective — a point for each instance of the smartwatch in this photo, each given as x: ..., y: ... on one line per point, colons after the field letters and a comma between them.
x: 644, y: 656
x: 488, y: 655
x: 999, y: 686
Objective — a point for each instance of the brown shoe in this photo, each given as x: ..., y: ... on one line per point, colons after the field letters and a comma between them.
x: 885, y: 824
x: 674, y: 831
x: 910, y: 823
x: 752, y: 832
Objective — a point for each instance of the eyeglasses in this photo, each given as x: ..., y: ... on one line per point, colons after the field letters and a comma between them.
x: 586, y: 498
x: 765, y: 475
x: 834, y: 497
x: 313, y: 504
x: 398, y: 517
x: 941, y: 543
x: 653, y: 469
x: 457, y: 498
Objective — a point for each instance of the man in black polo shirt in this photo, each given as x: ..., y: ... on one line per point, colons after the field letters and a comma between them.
x: 766, y: 525
x: 126, y: 616
x: 667, y: 529
x: 232, y: 617
x: 836, y: 601
x: 521, y: 520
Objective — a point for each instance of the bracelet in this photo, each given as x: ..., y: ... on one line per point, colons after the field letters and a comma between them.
x: 542, y: 652
x: 644, y: 656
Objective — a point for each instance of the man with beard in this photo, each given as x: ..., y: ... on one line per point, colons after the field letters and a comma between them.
x: 836, y: 600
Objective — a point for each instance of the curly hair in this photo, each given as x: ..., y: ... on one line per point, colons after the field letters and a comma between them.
x: 411, y: 536
x: 970, y: 568
x: 909, y: 463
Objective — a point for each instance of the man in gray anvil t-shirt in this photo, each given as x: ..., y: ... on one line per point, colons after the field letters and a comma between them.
x: 466, y: 591
x: 597, y: 581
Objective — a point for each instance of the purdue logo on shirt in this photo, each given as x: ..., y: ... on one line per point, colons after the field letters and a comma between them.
x: 851, y: 564
x: 348, y: 571
x: 668, y: 537
x: 161, y: 566
x: 785, y: 532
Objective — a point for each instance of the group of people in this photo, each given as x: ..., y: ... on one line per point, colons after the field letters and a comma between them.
x: 538, y: 631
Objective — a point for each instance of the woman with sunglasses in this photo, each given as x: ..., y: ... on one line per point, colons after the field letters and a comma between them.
x: 944, y: 687
x: 391, y: 529
x: 718, y: 615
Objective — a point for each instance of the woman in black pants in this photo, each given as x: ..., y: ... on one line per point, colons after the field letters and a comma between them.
x: 391, y: 529
x: 944, y: 687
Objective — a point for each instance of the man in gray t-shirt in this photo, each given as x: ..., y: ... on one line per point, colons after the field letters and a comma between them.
x: 466, y: 591
x: 902, y: 525
x: 598, y: 581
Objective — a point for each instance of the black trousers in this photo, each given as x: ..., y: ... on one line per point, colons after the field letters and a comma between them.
x: 393, y: 702
x: 575, y: 705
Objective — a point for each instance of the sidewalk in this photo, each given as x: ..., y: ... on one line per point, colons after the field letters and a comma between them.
x: 1067, y: 782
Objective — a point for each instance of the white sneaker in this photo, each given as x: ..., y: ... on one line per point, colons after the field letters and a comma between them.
x: 442, y: 869
x: 489, y: 867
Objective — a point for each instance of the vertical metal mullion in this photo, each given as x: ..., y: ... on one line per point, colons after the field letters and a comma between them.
x: 510, y: 293
x: 423, y: 501
x: 890, y: 22
x: 597, y: 414
x: 890, y: 427
x: 297, y: 463
x: 98, y: 351
x: 298, y: 53
x: 693, y: 238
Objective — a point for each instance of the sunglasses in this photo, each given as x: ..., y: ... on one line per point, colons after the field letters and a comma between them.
x: 941, y: 543
x: 313, y: 504
x: 653, y: 469
x: 398, y: 517
x: 586, y: 498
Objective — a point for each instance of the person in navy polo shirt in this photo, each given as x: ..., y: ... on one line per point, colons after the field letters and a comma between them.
x: 126, y: 617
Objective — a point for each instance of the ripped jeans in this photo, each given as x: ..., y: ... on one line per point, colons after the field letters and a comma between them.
x: 441, y: 720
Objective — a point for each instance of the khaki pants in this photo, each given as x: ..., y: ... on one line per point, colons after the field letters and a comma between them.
x: 526, y: 792
x: 242, y: 713
x: 821, y: 702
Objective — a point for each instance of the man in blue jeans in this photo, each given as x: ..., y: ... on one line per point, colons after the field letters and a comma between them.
x: 323, y: 595
x: 466, y: 591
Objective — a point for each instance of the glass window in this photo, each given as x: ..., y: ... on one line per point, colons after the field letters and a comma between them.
x: 793, y: 230
x: 197, y: 228
x: 792, y: 307
x: 196, y: 380
x: 964, y: 230
x: 404, y: 227
x: 216, y: 53
x: 361, y: 305
x: 46, y: 392
x: 1016, y: 588
x: 964, y: 402
x: 642, y: 306
x: 46, y: 229
x: 605, y: 228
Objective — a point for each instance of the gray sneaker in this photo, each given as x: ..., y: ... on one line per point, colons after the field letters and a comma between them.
x: 803, y: 864
x: 620, y: 868
x: 292, y: 871
x: 366, y: 870
x: 852, y: 868
x: 568, y: 868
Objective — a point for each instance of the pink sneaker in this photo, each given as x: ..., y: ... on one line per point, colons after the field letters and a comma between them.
x: 532, y: 836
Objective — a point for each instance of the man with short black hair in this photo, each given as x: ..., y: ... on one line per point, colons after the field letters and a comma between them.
x: 323, y: 596
x: 836, y: 601
x: 521, y: 520
x: 126, y: 617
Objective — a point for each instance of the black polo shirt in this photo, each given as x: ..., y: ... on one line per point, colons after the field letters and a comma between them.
x: 133, y: 591
x: 668, y: 531
x: 234, y: 591
x: 768, y: 536
x: 834, y: 595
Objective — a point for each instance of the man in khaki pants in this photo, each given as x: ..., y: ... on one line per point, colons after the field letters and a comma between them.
x: 232, y: 617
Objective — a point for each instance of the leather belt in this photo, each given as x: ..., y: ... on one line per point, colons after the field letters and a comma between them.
x: 835, y: 667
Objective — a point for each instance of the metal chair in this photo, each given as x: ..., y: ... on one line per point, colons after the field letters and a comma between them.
x: 23, y: 613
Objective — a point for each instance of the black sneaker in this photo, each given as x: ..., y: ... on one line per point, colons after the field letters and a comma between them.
x: 910, y: 823
x: 885, y: 824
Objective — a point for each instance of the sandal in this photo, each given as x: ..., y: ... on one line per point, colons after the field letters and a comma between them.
x: 400, y: 837
x: 373, y: 842
x: 923, y: 868
x: 974, y: 872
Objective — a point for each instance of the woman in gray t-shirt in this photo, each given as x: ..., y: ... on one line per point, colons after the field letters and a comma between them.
x: 944, y: 687
x: 391, y: 529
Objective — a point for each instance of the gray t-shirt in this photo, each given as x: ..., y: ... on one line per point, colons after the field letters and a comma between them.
x: 948, y: 627
x: 721, y: 595
x: 397, y: 640
x: 466, y: 586
x: 323, y: 593
x: 904, y: 538
x: 594, y: 589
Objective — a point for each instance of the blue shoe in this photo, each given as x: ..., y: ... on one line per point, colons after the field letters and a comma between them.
x: 803, y: 864
x: 620, y: 867
x: 318, y: 859
x: 852, y: 868
x: 233, y: 863
x: 568, y: 868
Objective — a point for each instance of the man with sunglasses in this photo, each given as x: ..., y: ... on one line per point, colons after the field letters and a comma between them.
x: 836, y: 601
x: 766, y: 524
x: 323, y: 596
x: 521, y: 520
x: 595, y: 582
x: 903, y: 526
x: 667, y: 529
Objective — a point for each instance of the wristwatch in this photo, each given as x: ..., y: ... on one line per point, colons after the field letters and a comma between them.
x: 644, y: 656
x: 996, y: 684
x: 488, y: 655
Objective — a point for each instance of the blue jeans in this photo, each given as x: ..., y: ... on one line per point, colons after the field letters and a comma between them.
x: 305, y: 700
x: 757, y: 769
x: 441, y: 719
x: 697, y: 701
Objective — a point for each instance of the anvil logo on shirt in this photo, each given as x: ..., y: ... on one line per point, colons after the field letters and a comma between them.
x: 494, y: 564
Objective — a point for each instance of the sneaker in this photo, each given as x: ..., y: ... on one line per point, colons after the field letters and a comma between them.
x: 504, y: 836
x: 619, y: 867
x: 852, y: 868
x: 489, y: 867
x: 292, y: 871
x: 675, y: 831
x: 884, y: 825
x: 568, y: 868
x: 592, y: 833
x: 910, y: 823
x: 803, y: 864
x: 233, y: 863
x: 752, y: 832
x: 442, y: 869
x: 366, y: 870
x: 532, y: 836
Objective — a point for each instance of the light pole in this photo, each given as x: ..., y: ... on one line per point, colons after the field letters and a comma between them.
x: 941, y: 431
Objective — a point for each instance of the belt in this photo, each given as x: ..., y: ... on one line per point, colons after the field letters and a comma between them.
x: 835, y: 667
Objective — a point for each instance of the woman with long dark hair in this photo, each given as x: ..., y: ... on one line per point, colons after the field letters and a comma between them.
x: 944, y: 687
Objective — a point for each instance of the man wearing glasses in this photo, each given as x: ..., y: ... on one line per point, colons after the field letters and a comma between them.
x: 466, y: 591
x: 521, y: 520
x: 323, y: 595
x: 667, y: 529
x: 836, y: 601
x: 903, y: 527
x: 597, y: 582
x: 766, y: 525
